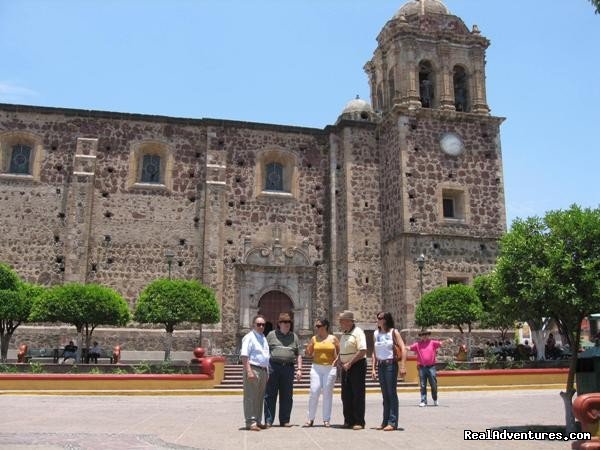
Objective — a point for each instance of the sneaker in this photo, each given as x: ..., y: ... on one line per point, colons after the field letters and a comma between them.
x: 435, y: 403
x: 422, y: 404
x: 358, y: 427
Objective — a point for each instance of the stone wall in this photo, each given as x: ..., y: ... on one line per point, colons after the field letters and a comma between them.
x: 128, y: 227
x: 417, y: 174
x: 359, y: 248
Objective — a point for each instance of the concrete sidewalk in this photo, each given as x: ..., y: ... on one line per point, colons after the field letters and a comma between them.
x: 181, y: 422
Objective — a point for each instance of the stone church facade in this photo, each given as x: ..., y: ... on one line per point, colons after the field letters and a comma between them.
x: 273, y: 218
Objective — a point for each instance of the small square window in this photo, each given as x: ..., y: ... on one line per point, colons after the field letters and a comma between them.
x: 456, y: 280
x: 453, y: 204
x: 19, y: 159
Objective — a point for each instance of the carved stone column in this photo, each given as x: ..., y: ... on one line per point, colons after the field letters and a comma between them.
x: 214, y: 220
x: 446, y: 83
x: 478, y: 88
x: 80, y: 202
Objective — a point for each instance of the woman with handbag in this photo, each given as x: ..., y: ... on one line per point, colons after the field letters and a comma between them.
x: 389, y: 350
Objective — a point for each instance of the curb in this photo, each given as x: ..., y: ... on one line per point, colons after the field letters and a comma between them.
x: 219, y: 392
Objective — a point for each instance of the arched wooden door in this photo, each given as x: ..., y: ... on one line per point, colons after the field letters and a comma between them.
x: 271, y: 305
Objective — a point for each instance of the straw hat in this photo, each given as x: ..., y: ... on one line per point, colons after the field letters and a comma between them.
x: 347, y: 315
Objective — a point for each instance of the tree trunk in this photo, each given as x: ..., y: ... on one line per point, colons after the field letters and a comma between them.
x: 469, y: 344
x: 569, y: 416
x: 6, y: 332
x: 540, y: 344
x: 570, y: 388
x: 88, y: 340
x: 168, y: 344
x: 79, y: 344
x: 4, y: 343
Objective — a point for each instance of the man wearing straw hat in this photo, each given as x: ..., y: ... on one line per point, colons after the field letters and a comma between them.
x: 353, y: 362
x: 426, y: 350
x: 285, y: 353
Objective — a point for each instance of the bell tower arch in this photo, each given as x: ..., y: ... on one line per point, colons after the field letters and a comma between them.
x: 437, y: 61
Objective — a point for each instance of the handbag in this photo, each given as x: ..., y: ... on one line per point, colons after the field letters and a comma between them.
x: 397, y: 348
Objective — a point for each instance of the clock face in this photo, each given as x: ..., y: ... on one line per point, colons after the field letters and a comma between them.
x: 452, y: 144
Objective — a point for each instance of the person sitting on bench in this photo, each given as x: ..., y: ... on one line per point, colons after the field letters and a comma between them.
x: 95, y: 352
x: 70, y: 351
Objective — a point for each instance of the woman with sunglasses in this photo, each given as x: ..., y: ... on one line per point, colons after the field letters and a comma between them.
x: 385, y: 366
x: 324, y: 348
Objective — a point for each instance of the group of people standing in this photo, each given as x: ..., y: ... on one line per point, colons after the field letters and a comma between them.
x: 269, y: 363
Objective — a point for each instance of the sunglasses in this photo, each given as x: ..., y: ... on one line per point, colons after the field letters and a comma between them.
x: 318, y: 326
x: 379, y: 318
x: 285, y: 321
x: 260, y: 324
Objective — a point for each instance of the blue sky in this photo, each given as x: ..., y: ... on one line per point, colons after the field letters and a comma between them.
x: 298, y: 63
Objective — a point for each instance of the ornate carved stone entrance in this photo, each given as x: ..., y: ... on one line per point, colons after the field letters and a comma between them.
x: 276, y: 278
x: 271, y: 305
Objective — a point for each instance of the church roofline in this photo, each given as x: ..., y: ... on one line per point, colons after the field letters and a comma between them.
x: 96, y: 114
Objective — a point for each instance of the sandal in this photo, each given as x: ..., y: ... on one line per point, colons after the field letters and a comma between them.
x: 309, y: 423
x: 326, y: 424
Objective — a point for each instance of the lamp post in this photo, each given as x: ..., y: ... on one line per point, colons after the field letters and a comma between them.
x: 169, y: 255
x: 421, y: 265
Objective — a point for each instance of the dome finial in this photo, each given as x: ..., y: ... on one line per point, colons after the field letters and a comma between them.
x: 422, y: 7
x: 357, y: 97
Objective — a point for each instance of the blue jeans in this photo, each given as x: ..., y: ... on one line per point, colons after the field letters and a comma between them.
x: 281, y: 381
x: 388, y: 381
x: 427, y: 373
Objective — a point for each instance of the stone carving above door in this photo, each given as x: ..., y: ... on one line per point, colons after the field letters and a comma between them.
x: 277, y: 255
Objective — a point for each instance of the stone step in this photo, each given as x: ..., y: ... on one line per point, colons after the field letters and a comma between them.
x: 234, y: 377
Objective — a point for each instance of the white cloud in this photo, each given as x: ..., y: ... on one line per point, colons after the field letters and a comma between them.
x: 13, y: 93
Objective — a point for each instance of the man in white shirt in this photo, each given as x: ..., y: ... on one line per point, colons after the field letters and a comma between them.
x: 255, y: 358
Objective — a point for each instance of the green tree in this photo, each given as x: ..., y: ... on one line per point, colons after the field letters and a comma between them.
x: 16, y: 298
x: 523, y: 277
x: 453, y: 306
x: 551, y: 267
x: 498, y: 313
x: 83, y: 305
x: 170, y: 302
x: 596, y: 4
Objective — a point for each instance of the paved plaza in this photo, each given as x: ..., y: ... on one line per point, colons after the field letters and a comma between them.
x: 215, y: 422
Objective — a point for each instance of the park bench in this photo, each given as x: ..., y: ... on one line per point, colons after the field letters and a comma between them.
x: 42, y: 353
x: 104, y: 354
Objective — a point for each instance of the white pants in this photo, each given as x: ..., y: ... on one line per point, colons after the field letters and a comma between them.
x: 322, y: 379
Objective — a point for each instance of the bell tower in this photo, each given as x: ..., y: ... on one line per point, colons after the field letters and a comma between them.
x: 426, y: 57
x: 440, y: 159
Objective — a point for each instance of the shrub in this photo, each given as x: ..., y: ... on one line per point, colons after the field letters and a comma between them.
x: 36, y: 367
x: 142, y: 367
x: 167, y: 368
x: 7, y: 368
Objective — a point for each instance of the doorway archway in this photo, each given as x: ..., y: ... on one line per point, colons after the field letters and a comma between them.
x: 271, y: 305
